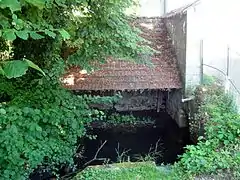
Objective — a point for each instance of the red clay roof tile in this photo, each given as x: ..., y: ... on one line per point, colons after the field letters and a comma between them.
x: 124, y: 75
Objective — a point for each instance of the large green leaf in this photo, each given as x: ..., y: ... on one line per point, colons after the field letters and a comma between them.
x: 9, y: 34
x: 34, y: 66
x: 64, y: 34
x: 50, y: 33
x: 14, y: 5
x: 38, y: 3
x: 15, y: 68
x: 22, y: 34
x: 35, y: 35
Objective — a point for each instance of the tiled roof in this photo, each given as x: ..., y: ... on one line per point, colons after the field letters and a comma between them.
x: 124, y: 75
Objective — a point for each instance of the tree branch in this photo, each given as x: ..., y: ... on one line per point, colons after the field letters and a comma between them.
x: 95, y: 157
x: 67, y: 176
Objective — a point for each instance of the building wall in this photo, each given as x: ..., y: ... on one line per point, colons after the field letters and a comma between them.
x: 151, y: 8
x: 193, y: 63
x: 195, y: 29
x: 175, y: 4
x: 177, y: 28
x: 137, y: 101
x: 174, y: 107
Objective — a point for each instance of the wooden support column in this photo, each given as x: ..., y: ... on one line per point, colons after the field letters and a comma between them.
x: 159, y: 100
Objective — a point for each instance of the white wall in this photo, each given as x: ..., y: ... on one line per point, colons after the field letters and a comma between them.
x: 174, y: 4
x: 194, y: 28
x: 194, y: 35
x: 151, y: 8
x: 214, y: 21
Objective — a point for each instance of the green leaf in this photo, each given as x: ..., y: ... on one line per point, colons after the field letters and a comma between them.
x: 38, y: 128
x: 15, y: 68
x: 1, y: 71
x: 13, y: 5
x: 34, y: 66
x: 50, y: 33
x: 0, y: 33
x: 4, y: 22
x: 9, y: 34
x: 35, y: 35
x: 14, y: 129
x: 64, y: 34
x: 14, y: 17
x: 61, y: 3
x: 38, y: 3
x: 3, y: 111
x: 22, y: 34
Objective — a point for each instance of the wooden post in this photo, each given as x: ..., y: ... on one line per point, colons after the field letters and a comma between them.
x: 159, y: 100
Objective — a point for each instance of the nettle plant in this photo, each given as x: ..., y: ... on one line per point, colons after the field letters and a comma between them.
x: 40, y: 121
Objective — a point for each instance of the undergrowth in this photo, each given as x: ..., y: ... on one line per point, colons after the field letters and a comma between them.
x: 218, y: 150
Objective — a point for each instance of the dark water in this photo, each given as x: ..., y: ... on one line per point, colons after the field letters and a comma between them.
x: 139, y: 141
x: 136, y: 141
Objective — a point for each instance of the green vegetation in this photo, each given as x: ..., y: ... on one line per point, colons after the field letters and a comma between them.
x: 116, y: 118
x: 40, y: 121
x: 126, y: 171
x: 218, y: 150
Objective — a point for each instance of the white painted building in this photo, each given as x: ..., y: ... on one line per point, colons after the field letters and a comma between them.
x: 217, y: 23
x: 156, y: 8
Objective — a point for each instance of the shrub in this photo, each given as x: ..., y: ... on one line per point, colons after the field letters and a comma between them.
x: 44, y: 132
x: 219, y: 148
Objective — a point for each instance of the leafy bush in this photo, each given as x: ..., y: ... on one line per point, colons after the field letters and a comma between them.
x: 219, y: 148
x: 40, y: 130
x: 40, y: 121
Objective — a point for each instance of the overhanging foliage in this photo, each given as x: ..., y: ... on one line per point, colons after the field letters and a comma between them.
x: 40, y: 122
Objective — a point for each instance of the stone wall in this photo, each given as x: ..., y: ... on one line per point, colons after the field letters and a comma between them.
x: 174, y: 107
